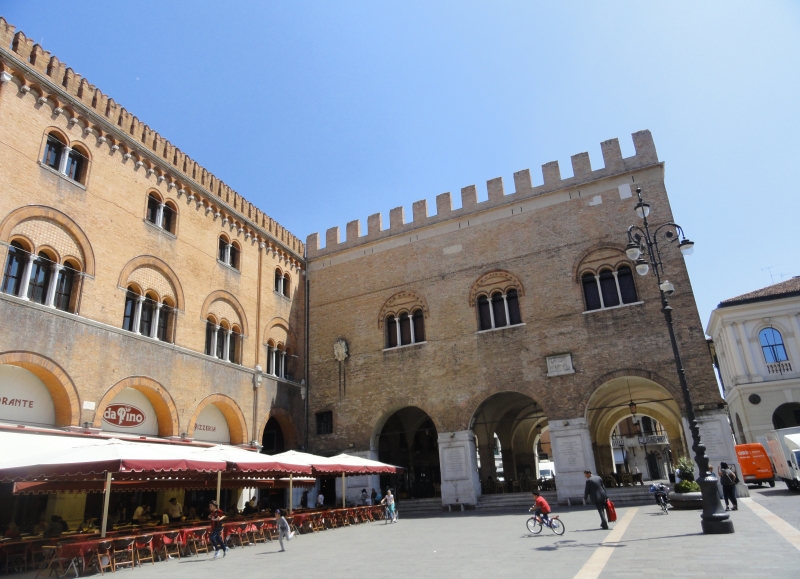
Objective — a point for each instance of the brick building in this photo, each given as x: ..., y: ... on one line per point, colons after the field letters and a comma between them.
x: 135, y: 278
x: 141, y: 295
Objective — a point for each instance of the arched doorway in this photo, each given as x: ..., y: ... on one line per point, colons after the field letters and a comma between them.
x: 512, y: 438
x: 273, y: 441
x: 636, y: 414
x: 786, y: 415
x: 408, y: 438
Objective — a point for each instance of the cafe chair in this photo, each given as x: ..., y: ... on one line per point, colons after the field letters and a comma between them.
x: 51, y: 560
x: 172, y: 544
x: 197, y: 541
x: 499, y: 488
x: 437, y: 490
x: 236, y: 532
x: 515, y: 487
x: 103, y: 557
x: 16, y: 557
x: 143, y: 549
x: 123, y: 553
x: 258, y: 532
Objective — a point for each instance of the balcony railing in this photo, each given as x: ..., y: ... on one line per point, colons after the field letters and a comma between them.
x: 784, y: 367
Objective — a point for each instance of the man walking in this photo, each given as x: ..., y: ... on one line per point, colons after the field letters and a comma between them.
x: 215, y: 516
x: 596, y: 492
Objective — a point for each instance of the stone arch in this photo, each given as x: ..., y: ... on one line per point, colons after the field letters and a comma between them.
x: 159, y: 265
x: 278, y: 330
x: 163, y: 404
x: 237, y: 425
x: 231, y: 301
x: 663, y: 382
x: 61, y: 387
x: 497, y: 279
x: 33, y: 212
x: 379, y: 418
x: 597, y: 256
x: 291, y: 437
x: 407, y: 300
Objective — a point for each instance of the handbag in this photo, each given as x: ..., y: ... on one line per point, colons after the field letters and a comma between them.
x: 612, y: 512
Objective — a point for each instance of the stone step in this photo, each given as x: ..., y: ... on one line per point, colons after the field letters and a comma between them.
x: 407, y: 506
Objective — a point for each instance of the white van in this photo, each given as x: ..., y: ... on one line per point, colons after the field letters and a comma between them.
x: 547, y: 469
x: 783, y: 447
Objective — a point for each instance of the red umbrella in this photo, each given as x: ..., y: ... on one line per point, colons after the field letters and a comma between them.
x: 241, y: 460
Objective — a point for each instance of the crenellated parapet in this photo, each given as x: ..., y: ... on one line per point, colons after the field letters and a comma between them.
x: 615, y: 164
x: 36, y: 72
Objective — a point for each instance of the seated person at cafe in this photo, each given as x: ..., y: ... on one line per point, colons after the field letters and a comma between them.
x: 174, y: 510
x: 63, y: 523
x: 191, y: 514
x: 320, y: 499
x: 250, y: 507
x: 12, y: 532
x: 141, y: 514
x: 233, y: 511
x: 40, y: 526
x: 87, y: 524
x: 54, y: 528
x: 364, y: 497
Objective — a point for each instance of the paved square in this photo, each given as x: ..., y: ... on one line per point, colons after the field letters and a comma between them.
x: 497, y: 544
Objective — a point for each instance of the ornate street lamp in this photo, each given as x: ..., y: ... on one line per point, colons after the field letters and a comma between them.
x: 644, y: 251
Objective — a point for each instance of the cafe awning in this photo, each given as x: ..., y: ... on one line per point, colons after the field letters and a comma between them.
x: 363, y: 466
x: 241, y: 460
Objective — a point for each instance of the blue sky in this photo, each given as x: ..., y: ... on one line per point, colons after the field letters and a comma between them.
x: 324, y: 112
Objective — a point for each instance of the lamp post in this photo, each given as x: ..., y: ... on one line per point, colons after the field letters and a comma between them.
x: 644, y: 251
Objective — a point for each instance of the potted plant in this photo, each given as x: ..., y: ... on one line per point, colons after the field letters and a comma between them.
x: 687, y: 493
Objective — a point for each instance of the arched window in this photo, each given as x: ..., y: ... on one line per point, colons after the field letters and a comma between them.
x: 146, y: 316
x: 40, y: 278
x: 772, y: 345
x: 405, y: 329
x: 609, y: 289
x: 75, y: 168
x: 64, y: 284
x: 271, y: 357
x: 277, y: 359
x: 228, y: 253
x: 286, y: 284
x: 15, y: 266
x: 129, y: 321
x: 160, y: 213
x: 278, y: 281
x: 53, y: 151
x: 233, y: 345
x: 499, y: 310
x: 211, y: 337
x: 223, y: 341
x: 165, y: 320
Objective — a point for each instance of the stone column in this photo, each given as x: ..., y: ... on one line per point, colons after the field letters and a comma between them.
x: 160, y: 215
x: 459, y: 467
x: 226, y: 348
x: 752, y: 369
x: 156, y: 315
x: 137, y: 316
x: 214, y: 341
x: 62, y: 165
x: 26, y: 277
x: 55, y: 269
x: 572, y: 454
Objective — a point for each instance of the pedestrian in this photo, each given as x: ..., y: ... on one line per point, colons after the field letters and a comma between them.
x: 174, y: 510
x: 728, y: 479
x: 216, y: 515
x: 391, y: 509
x: 304, y: 500
x: 373, y: 497
x: 364, y: 496
x: 595, y: 491
x: 283, y: 528
x: 320, y: 500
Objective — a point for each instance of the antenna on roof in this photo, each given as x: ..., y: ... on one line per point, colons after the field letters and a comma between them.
x: 771, y: 275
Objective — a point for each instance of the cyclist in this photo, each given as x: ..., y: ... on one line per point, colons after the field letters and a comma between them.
x: 540, y: 508
x: 660, y: 490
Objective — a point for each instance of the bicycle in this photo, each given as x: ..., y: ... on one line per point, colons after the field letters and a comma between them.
x: 535, y: 524
x: 661, y: 499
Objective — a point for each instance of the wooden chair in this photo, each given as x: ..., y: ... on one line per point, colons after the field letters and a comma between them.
x: 103, y: 557
x: 197, y: 541
x: 258, y: 533
x: 124, y: 553
x: 236, y: 532
x: 516, y: 487
x: 270, y: 530
x: 51, y: 561
x: 172, y: 544
x: 609, y: 481
x: 499, y: 488
x: 437, y: 490
x: 16, y: 557
x: 143, y: 549
x: 627, y: 480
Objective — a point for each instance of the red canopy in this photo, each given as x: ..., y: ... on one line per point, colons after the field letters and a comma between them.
x: 358, y: 465
x: 342, y: 464
x: 110, y: 455
x: 241, y: 460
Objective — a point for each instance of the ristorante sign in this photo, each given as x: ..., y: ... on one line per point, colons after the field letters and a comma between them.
x: 124, y: 415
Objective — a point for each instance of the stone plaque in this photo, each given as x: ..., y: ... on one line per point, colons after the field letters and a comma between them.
x: 560, y: 365
x: 711, y: 437
x: 570, y: 453
x: 455, y: 463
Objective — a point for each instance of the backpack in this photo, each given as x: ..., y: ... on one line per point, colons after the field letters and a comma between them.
x: 612, y: 512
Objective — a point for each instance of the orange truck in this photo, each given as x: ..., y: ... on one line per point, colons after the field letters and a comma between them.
x: 755, y: 464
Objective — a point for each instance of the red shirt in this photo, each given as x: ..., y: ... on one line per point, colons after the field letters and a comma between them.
x: 215, y: 517
x: 542, y: 504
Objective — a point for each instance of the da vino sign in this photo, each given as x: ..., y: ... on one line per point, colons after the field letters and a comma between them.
x: 124, y: 415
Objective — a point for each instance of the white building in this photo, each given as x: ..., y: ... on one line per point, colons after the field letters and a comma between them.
x: 757, y: 341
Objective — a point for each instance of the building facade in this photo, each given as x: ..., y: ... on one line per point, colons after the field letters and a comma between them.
x: 755, y: 337
x: 517, y: 319
x: 144, y: 297
x: 140, y: 294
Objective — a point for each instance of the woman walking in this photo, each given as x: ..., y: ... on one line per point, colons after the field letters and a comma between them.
x: 391, y: 509
x: 728, y: 479
x: 283, y: 528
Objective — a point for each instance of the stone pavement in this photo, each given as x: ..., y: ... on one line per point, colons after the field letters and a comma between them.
x: 497, y: 544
